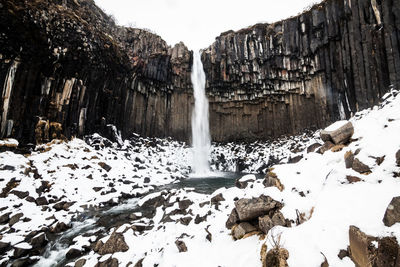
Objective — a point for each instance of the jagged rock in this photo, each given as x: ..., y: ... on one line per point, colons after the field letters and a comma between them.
x: 339, y: 134
x: 232, y: 219
x: 111, y: 262
x: 277, y: 257
x: 265, y: 223
x: 388, y: 253
x: 80, y: 263
x: 4, y: 246
x: 139, y: 263
x: 360, y: 167
x: 241, y: 229
x: 181, y: 246
x: 325, y: 147
x: 105, y: 166
x: 348, y: 159
x: 271, y: 179
x: 20, y: 194
x: 392, y: 214
x: 242, y: 182
x: 313, y: 147
x: 15, y: 218
x: 116, y: 243
x: 249, y: 209
x: 59, y: 227
x: 5, y: 218
x: 398, y: 158
x: 325, y: 262
x: 217, y: 198
x: 353, y: 179
x: 39, y: 241
x: 21, y: 251
x: 360, y: 250
x: 184, y: 204
x: 295, y: 159
x: 343, y: 253
x: 185, y: 220
x: 41, y: 201
x: 73, y: 253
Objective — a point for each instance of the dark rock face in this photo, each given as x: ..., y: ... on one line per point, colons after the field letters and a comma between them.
x: 66, y: 68
x: 303, y: 72
x: 392, y: 214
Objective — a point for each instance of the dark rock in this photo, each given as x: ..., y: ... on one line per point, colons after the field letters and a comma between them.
x: 4, y: 247
x: 343, y: 253
x: 73, y: 253
x: 388, y: 253
x: 265, y: 223
x: 30, y: 199
x: 181, y: 246
x: 80, y: 263
x: 348, y: 159
x: 398, y: 158
x: 59, y: 227
x: 340, y: 135
x: 116, y: 243
x: 313, y: 147
x: 146, y: 180
x: 184, y: 204
x: 24, y: 262
x: 40, y: 201
x: 39, y: 241
x: 20, y: 194
x: 271, y: 179
x: 5, y: 218
x: 241, y: 229
x: 185, y: 220
x: 233, y: 219
x: 200, y: 219
x: 105, y: 166
x: 295, y: 159
x: 97, y: 189
x: 353, y: 179
x: 139, y: 263
x: 20, y: 252
x: 249, y: 209
x: 360, y: 167
x: 217, y: 198
x: 15, y: 218
x: 111, y: 262
x: 325, y: 147
x: 392, y: 214
x: 242, y: 183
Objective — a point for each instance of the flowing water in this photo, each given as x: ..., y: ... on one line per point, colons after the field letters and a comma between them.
x: 200, y: 123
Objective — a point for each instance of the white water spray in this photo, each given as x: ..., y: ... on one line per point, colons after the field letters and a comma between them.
x: 200, y: 125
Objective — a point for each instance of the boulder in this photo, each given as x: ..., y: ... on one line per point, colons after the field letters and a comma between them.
x: 20, y: 194
x: 392, y: 214
x: 15, y: 218
x: 73, y: 253
x: 295, y: 159
x: 360, y: 167
x: 271, y: 179
x: 181, y: 246
x: 249, y: 209
x: 5, y: 218
x: 277, y: 257
x: 217, y: 198
x: 242, y: 182
x: 39, y: 241
x: 59, y: 227
x: 388, y: 253
x: 265, y: 223
x: 348, y: 159
x: 240, y: 230
x: 80, y: 263
x: 4, y: 247
x: 116, y: 243
x: 360, y: 249
x: 110, y: 262
x: 40, y: 201
x: 21, y: 250
x: 184, y: 204
x: 232, y: 219
x: 339, y: 133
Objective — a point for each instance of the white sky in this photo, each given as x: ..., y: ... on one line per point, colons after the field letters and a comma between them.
x: 198, y: 22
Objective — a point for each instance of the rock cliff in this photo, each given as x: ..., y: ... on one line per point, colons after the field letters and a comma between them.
x: 305, y: 71
x: 67, y: 62
x: 67, y: 69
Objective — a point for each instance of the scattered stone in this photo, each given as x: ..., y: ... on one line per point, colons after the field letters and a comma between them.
x: 348, y: 159
x: 388, y: 253
x: 265, y: 223
x: 39, y: 241
x: 110, y: 262
x: 337, y: 148
x: 353, y: 179
x: 80, y: 263
x: 243, y: 181
x: 73, y: 253
x: 249, y: 209
x: 325, y: 147
x: 360, y: 167
x: 392, y: 214
x: 139, y: 263
x: 146, y: 180
x: 15, y: 218
x: 343, y: 253
x: 59, y: 227
x: 106, y: 167
x: 295, y: 159
x: 398, y: 158
x: 5, y: 218
x: 271, y: 179
x: 277, y: 257
x: 21, y: 251
x: 325, y: 262
x: 40, y: 201
x: 20, y: 194
x: 217, y: 198
x: 232, y: 219
x: 185, y: 220
x: 313, y: 147
x: 339, y: 135
x: 181, y: 246
x: 24, y: 262
x: 4, y: 247
x: 200, y: 219
x: 379, y: 160
x: 184, y: 204
x: 360, y: 250
x: 241, y: 229
x: 97, y: 189
x: 116, y: 243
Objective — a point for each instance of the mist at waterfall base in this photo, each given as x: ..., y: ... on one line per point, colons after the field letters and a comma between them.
x: 201, y: 139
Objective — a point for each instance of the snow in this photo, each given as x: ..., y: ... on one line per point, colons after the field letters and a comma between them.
x: 336, y: 125
x: 315, y: 187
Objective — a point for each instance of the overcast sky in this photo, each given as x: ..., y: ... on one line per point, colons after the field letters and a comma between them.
x: 198, y: 22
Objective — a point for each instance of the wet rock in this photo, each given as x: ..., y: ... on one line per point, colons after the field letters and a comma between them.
x: 392, y: 214
x: 105, y: 166
x: 116, y: 243
x: 339, y: 135
x: 241, y: 229
x: 313, y: 147
x: 271, y: 179
x: 15, y: 218
x: 80, y: 263
x: 265, y: 223
x: 249, y: 209
x: 348, y: 159
x: 181, y: 246
x: 360, y: 167
x: 353, y: 179
x: 277, y: 257
x: 41, y: 201
x: 325, y: 147
x: 24, y: 262
x: 232, y: 219
x: 73, y: 253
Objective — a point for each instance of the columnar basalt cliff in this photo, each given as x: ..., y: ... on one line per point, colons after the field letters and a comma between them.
x: 67, y: 69
x: 67, y: 62
x: 304, y: 72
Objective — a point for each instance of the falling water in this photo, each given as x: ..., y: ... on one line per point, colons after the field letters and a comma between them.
x: 200, y: 125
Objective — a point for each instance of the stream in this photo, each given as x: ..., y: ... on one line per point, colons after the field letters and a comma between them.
x: 103, y: 219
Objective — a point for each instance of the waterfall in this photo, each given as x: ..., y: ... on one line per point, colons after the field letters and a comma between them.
x: 200, y: 125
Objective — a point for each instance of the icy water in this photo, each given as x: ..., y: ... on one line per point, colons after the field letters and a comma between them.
x: 106, y: 218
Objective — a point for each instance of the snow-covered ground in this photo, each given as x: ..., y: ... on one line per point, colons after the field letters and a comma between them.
x: 182, y: 220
